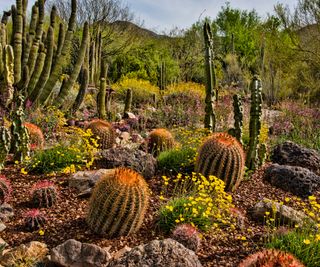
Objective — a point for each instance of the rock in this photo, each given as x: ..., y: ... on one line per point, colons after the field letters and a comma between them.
x: 297, y: 180
x: 281, y: 213
x: 125, y: 137
x: 34, y: 252
x: 73, y: 253
x: 158, y: 253
x: 138, y: 160
x: 120, y: 252
x: 6, y: 212
x: 84, y: 181
x: 292, y: 154
x: 2, y: 226
x: 130, y: 115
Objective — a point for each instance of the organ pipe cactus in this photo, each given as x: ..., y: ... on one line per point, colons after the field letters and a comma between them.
x: 210, y: 118
x: 222, y: 155
x: 84, y: 81
x: 102, y: 92
x: 118, y: 203
x: 255, y: 123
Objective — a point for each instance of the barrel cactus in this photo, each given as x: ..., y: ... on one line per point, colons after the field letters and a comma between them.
x: 222, y: 155
x: 44, y: 194
x: 5, y: 189
x: 103, y: 131
x: 272, y: 258
x: 160, y: 140
x: 35, y: 136
x: 34, y: 219
x: 187, y: 235
x: 118, y: 203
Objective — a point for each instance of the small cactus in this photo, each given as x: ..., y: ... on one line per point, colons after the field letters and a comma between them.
x: 35, y: 136
x: 222, y: 155
x: 44, y: 194
x: 160, y: 140
x: 5, y: 189
x: 34, y: 219
x: 187, y: 235
x: 118, y: 203
x: 104, y: 132
x: 271, y: 258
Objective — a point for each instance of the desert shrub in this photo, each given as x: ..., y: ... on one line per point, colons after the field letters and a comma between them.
x: 142, y: 91
x: 75, y: 151
x: 197, y: 200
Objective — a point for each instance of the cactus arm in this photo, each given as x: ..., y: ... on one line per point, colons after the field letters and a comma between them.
x: 61, y: 39
x: 61, y: 61
x: 65, y: 90
x: 82, y: 91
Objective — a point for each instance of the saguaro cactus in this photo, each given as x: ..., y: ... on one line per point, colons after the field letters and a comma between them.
x: 209, y: 119
x: 102, y: 92
x: 238, y: 117
x: 128, y: 102
x: 255, y: 123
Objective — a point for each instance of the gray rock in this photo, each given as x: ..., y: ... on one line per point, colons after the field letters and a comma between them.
x: 6, y: 212
x: 3, y: 243
x: 130, y: 115
x: 292, y: 154
x: 85, y: 180
x: 158, y: 253
x: 2, y: 226
x: 297, y: 180
x: 138, y: 160
x: 73, y: 253
x: 282, y: 214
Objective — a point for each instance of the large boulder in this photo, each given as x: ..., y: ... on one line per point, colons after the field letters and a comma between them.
x: 158, y: 253
x: 138, y: 160
x: 73, y: 253
x: 297, y: 180
x: 35, y: 252
x: 292, y: 154
x: 282, y: 214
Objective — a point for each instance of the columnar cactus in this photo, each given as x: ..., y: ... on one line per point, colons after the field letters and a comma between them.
x: 5, y: 189
x: 84, y: 81
x: 128, y: 102
x: 272, y: 258
x: 238, y: 117
x: 255, y: 123
x: 160, y: 140
x: 187, y: 235
x: 44, y: 194
x: 102, y: 92
x: 211, y: 83
x: 104, y: 133
x: 162, y: 78
x: 35, y: 136
x: 5, y: 144
x: 222, y: 155
x: 34, y: 219
x: 118, y: 203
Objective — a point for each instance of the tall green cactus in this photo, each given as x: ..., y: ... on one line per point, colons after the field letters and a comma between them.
x: 102, y: 92
x: 210, y: 118
x: 238, y: 117
x: 222, y: 155
x: 17, y: 40
x: 76, y: 69
x: 255, y: 123
x: 5, y: 144
x: 61, y: 61
x: 118, y: 203
x: 84, y: 81
x: 128, y: 102
x: 162, y: 76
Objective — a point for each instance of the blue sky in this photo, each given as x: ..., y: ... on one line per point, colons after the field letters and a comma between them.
x: 160, y: 15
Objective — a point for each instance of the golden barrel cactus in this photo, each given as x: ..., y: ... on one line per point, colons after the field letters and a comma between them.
x: 103, y: 131
x: 160, y: 140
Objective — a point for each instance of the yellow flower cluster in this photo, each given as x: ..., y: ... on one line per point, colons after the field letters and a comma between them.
x: 189, y: 87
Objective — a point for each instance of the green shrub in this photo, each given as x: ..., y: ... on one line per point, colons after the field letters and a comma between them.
x: 177, y: 160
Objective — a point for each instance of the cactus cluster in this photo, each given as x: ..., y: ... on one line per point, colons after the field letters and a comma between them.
x: 187, y: 235
x: 271, y: 258
x: 34, y: 219
x: 5, y: 189
x: 44, y: 194
x: 211, y: 81
x: 255, y: 123
x: 104, y: 132
x: 222, y: 155
x: 118, y: 203
x: 35, y: 136
x: 160, y: 140
x: 5, y: 144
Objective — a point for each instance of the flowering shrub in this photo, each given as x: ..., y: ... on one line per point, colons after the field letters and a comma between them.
x: 75, y: 152
x: 197, y: 200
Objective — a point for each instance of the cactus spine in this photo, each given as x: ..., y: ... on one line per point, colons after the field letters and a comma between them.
x: 210, y: 118
x: 128, y: 102
x: 222, y: 155
x: 255, y: 123
x: 118, y: 203
x: 238, y: 117
x: 84, y: 81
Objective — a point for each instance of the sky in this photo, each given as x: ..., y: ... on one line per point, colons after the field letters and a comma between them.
x: 163, y: 15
